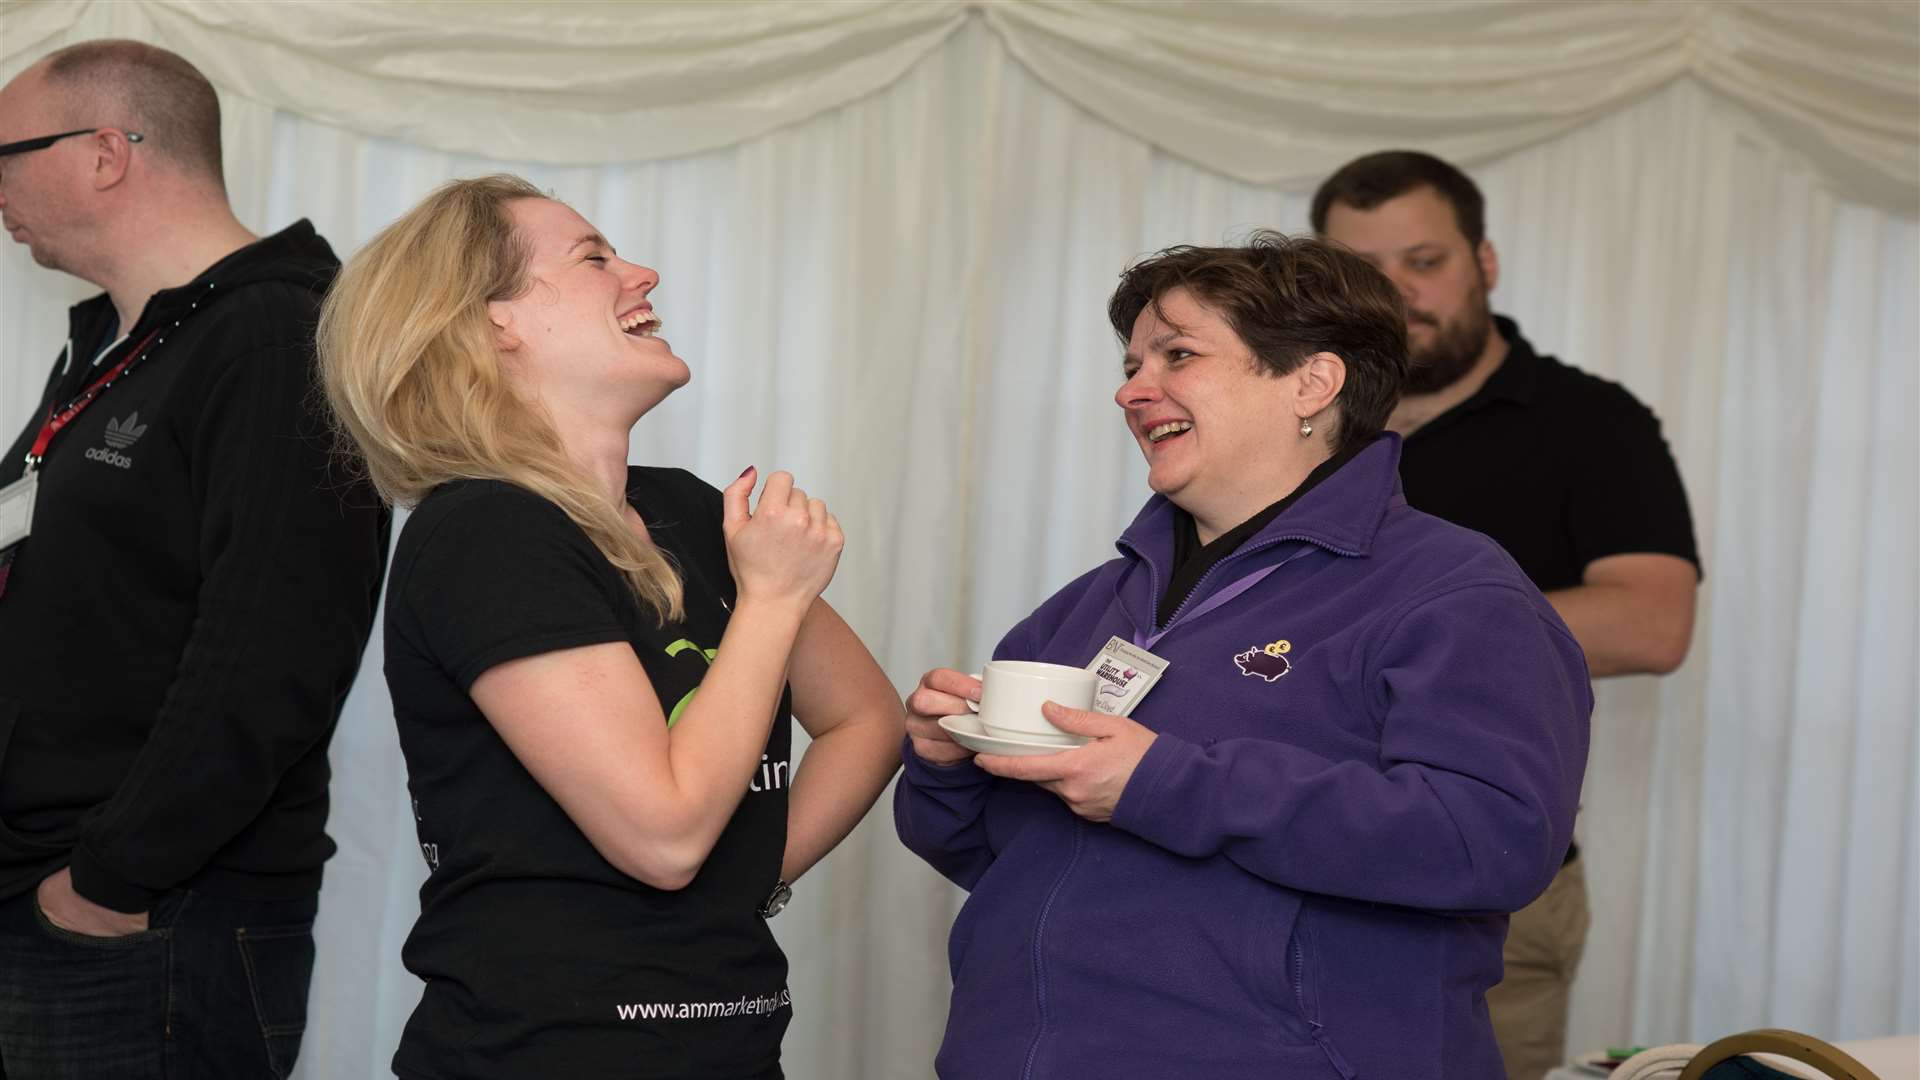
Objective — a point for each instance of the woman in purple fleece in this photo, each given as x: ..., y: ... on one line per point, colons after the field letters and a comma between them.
x: 1297, y: 856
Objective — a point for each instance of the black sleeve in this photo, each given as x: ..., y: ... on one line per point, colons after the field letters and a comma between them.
x: 1627, y: 495
x: 502, y: 576
x: 290, y: 567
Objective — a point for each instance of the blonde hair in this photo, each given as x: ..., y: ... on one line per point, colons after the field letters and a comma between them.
x: 410, y: 369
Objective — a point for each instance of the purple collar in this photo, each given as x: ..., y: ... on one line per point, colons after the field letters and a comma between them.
x: 1342, y: 514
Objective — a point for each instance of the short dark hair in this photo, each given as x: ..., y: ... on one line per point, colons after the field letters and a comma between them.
x: 1289, y: 297
x: 145, y: 89
x: 1366, y: 182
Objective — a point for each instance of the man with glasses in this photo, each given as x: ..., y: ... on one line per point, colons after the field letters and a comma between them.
x: 185, y: 589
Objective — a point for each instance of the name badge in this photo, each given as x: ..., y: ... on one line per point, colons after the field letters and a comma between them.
x: 1125, y: 672
x: 16, y: 509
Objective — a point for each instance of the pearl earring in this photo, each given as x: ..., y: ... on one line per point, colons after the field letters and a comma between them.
x: 1306, y: 428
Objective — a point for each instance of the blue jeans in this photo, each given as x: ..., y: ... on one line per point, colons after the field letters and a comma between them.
x: 213, y: 988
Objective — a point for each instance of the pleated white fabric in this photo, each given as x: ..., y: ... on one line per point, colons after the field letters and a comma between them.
x: 1277, y: 92
x: 565, y: 81
x: 902, y: 299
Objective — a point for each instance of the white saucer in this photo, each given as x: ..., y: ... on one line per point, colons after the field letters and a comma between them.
x: 967, y: 730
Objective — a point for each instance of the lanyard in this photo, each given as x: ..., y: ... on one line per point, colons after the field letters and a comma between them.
x: 59, y: 419
x: 1240, y: 585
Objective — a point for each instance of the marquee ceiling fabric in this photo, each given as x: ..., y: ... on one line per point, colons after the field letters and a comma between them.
x: 1276, y: 93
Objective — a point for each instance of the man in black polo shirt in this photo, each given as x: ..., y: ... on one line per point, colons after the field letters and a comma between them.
x: 1566, y: 470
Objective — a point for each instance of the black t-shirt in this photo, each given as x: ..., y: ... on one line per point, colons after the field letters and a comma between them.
x: 541, y: 959
x: 1558, y: 466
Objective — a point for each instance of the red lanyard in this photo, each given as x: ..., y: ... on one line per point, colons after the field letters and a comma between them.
x: 56, y: 420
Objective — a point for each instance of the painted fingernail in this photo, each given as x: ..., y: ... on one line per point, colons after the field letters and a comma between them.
x: 744, y: 471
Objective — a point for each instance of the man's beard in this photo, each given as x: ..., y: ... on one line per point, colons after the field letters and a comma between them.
x: 1455, y: 348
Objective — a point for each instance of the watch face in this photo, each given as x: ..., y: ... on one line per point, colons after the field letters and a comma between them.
x: 777, y: 900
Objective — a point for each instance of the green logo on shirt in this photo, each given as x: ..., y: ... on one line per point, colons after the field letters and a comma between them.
x: 675, y: 649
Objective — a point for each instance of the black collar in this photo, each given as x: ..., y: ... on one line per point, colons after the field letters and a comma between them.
x: 1191, y: 559
x: 1518, y: 376
x: 1516, y: 380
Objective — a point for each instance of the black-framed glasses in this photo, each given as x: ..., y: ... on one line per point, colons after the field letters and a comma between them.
x: 44, y: 141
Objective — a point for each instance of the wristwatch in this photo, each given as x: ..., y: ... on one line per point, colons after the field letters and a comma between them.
x: 777, y: 899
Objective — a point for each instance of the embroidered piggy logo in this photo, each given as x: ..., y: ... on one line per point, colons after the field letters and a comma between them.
x: 1268, y: 661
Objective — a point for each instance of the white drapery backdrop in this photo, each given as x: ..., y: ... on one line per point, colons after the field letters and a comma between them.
x: 897, y: 290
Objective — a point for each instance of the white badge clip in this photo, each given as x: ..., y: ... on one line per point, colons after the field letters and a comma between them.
x: 1125, y: 672
x: 16, y: 509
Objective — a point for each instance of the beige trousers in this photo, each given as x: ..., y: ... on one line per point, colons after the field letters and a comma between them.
x: 1529, y: 1006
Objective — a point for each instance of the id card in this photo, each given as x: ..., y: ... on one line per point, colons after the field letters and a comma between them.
x: 1125, y: 672
x: 16, y: 509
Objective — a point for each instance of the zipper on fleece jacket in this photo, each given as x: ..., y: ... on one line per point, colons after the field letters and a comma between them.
x: 1312, y: 1014
x: 1039, y: 965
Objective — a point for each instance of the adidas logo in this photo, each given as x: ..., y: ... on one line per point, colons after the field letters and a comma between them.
x: 122, y: 434
x: 109, y: 457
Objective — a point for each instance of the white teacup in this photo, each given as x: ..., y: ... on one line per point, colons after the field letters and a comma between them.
x: 1012, y: 691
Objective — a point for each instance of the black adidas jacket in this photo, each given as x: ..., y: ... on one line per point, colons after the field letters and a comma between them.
x: 178, y: 634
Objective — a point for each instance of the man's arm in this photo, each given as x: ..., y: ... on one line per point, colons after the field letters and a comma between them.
x: 1632, y: 614
x: 1632, y: 534
x: 290, y: 562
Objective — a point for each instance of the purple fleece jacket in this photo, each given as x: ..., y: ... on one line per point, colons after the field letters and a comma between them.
x: 1310, y: 871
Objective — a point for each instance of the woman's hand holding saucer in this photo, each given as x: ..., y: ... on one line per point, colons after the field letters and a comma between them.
x: 942, y: 692
x: 1088, y: 778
